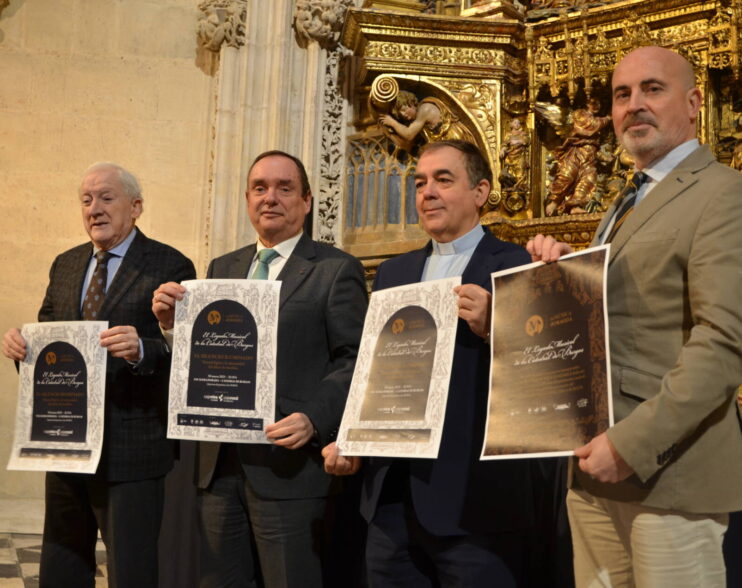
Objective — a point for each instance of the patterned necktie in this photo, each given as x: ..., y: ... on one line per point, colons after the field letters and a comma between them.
x: 96, y: 293
x: 265, y: 256
x: 628, y: 199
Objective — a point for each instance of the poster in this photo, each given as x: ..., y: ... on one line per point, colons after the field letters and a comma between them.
x: 61, y: 398
x: 223, y: 372
x: 397, y: 401
x: 550, y: 388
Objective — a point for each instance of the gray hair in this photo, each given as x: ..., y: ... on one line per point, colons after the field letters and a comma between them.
x: 128, y: 180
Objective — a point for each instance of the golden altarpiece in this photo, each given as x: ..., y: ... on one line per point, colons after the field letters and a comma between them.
x: 530, y: 83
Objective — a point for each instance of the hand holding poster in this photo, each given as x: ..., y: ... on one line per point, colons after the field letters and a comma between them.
x: 397, y: 400
x: 61, y: 398
x: 222, y: 377
x: 550, y: 386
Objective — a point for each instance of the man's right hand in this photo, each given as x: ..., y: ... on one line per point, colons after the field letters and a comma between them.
x: 14, y: 345
x: 163, y: 303
x: 339, y: 465
x: 547, y: 249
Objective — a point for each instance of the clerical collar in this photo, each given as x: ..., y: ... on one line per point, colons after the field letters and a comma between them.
x: 460, y: 245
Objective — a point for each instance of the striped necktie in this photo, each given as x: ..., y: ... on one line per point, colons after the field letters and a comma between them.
x: 96, y: 293
x: 627, y: 201
x: 265, y: 256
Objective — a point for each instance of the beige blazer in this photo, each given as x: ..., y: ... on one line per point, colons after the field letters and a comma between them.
x: 675, y: 320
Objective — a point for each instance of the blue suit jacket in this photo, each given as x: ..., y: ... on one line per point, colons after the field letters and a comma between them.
x: 457, y: 494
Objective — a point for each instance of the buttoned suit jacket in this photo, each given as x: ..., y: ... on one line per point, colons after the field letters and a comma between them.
x: 675, y: 325
x: 457, y: 494
x: 320, y: 320
x: 134, y: 442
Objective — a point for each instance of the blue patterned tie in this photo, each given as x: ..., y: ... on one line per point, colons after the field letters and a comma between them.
x: 96, y: 293
x: 265, y: 256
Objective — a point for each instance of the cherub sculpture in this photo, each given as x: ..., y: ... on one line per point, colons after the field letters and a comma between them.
x: 574, y: 168
x: 429, y: 117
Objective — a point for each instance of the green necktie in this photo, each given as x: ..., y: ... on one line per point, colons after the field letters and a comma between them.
x: 265, y: 256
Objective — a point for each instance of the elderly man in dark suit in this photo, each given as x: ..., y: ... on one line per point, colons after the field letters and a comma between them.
x: 649, y: 499
x: 272, y: 498
x: 454, y: 520
x: 123, y: 499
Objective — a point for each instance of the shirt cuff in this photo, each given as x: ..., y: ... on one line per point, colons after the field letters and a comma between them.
x: 135, y: 364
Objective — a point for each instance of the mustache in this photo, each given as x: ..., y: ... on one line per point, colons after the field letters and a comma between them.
x: 640, y: 118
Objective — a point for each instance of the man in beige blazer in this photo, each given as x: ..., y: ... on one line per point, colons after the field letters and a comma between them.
x: 649, y: 499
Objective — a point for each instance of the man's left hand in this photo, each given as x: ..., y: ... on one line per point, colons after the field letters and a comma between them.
x: 474, y: 307
x: 291, y: 432
x: 600, y: 460
x: 121, y: 341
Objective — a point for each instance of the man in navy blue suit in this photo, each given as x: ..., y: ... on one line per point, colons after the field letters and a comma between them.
x: 453, y: 520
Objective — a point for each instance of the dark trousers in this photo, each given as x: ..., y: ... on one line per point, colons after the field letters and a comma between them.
x: 400, y: 552
x: 128, y: 515
x: 238, y: 525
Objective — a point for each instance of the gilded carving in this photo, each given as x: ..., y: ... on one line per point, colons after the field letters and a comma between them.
x: 481, y: 101
x: 405, y: 119
x: 320, y: 21
x: 514, y: 167
x: 563, y: 59
x: 221, y: 21
x: 574, y: 167
x: 575, y: 230
x: 435, y: 54
x: 636, y: 32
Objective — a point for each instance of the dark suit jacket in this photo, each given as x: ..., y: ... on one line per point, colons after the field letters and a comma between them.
x: 321, y: 312
x: 134, y: 443
x: 457, y: 494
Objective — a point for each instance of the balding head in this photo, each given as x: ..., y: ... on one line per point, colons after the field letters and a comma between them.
x: 655, y: 103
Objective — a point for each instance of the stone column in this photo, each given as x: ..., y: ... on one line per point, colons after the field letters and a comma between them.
x: 273, y: 91
x: 317, y: 24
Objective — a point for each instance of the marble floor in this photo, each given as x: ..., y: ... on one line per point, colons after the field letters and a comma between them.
x: 20, y: 545
x: 19, y: 561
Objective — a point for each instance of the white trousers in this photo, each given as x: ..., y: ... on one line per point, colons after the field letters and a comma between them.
x: 620, y: 544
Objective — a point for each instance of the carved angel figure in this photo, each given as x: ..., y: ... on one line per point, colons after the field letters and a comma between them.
x: 430, y: 117
x: 575, y: 173
x: 514, y: 166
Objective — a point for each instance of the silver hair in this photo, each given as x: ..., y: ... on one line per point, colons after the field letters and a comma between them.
x: 128, y: 180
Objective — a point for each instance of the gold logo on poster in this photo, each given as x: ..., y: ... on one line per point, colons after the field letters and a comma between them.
x: 534, y: 325
x: 398, y: 326
x: 214, y: 317
x: 50, y: 358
